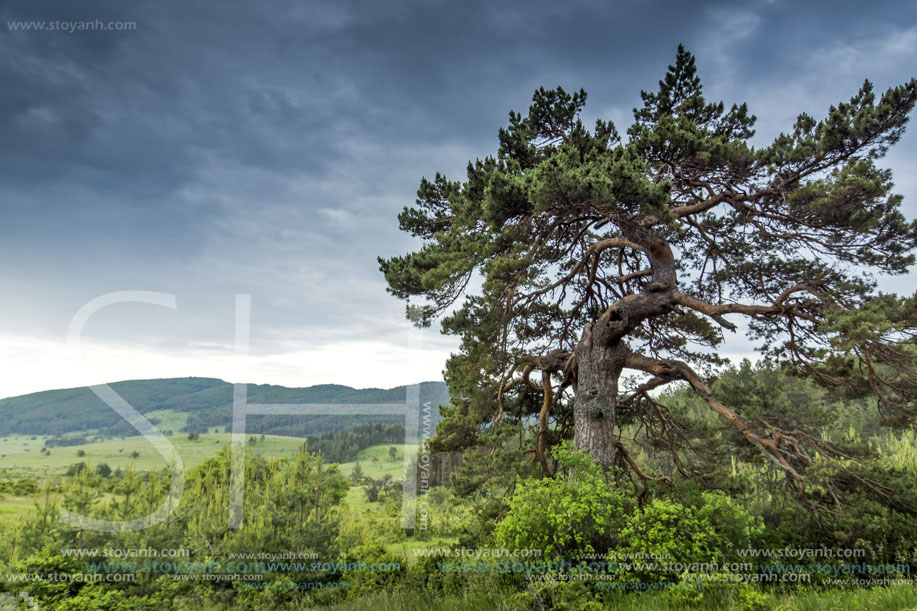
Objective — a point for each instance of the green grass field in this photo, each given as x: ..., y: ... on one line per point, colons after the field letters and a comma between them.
x: 21, y: 456
x: 23, y: 459
x: 21, y: 444
x: 12, y: 507
x: 383, y: 465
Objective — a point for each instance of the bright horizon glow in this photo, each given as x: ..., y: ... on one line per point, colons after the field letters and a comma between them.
x: 34, y: 365
x: 27, y: 360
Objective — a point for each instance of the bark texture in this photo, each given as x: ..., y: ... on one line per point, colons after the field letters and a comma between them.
x: 599, y: 365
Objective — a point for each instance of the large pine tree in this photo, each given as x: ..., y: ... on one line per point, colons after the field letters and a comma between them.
x: 576, y: 254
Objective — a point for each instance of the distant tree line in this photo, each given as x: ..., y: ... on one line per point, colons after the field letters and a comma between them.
x: 344, y: 446
x: 288, y: 426
x: 63, y: 442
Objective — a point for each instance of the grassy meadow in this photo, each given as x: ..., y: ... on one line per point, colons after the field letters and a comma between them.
x: 22, y: 459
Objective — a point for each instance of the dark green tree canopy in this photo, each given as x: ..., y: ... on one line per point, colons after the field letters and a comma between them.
x: 579, y: 253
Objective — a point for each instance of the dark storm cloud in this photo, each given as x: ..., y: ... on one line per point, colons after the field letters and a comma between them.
x: 225, y: 147
x: 277, y: 85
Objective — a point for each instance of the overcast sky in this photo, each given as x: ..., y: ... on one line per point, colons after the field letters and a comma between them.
x: 224, y: 148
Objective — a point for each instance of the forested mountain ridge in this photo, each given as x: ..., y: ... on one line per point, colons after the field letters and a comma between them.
x: 206, y: 401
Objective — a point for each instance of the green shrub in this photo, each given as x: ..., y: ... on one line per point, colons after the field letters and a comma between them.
x: 666, y: 531
x: 573, y: 513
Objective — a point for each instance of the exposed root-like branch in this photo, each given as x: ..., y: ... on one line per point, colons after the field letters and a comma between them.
x: 790, y: 451
x: 555, y: 361
x: 543, y: 422
x: 768, y: 447
x: 623, y: 453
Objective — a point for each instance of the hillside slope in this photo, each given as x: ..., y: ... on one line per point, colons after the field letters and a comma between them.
x: 206, y: 401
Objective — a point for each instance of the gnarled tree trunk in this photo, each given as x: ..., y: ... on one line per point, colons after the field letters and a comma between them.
x: 599, y: 361
x: 601, y: 353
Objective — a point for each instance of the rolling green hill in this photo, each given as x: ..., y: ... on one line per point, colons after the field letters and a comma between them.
x: 196, y: 405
